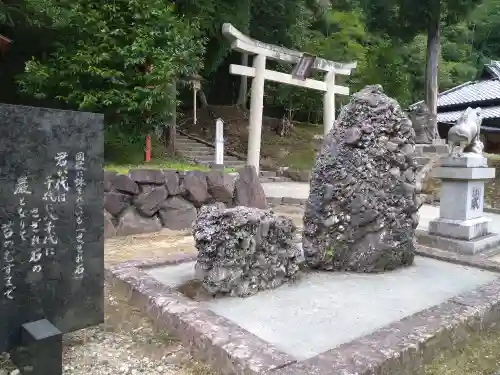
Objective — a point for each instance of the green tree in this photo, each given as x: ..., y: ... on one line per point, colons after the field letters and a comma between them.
x: 404, y: 19
x: 484, y: 24
x: 113, y: 57
x: 11, y: 11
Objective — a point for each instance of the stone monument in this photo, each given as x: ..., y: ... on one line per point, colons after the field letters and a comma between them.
x: 461, y: 226
x: 362, y: 209
x: 51, y: 219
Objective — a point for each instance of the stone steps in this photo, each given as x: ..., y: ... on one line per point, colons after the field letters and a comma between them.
x: 200, y: 153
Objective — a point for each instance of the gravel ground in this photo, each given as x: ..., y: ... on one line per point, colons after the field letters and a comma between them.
x: 127, y: 343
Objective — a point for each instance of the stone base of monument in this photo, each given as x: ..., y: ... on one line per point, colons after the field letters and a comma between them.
x: 41, y: 349
x: 323, y: 322
x: 422, y: 149
x: 461, y: 226
x: 489, y: 243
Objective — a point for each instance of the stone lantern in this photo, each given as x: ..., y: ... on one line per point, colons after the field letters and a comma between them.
x: 196, y: 83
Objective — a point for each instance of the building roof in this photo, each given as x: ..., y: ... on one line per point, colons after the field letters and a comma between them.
x: 470, y: 92
x: 485, y: 89
x: 492, y: 69
x: 486, y: 113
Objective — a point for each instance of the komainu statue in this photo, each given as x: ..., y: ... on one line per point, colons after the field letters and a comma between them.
x: 464, y: 135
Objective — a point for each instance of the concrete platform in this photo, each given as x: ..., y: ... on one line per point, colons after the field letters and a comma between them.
x: 358, y: 323
x: 324, y: 310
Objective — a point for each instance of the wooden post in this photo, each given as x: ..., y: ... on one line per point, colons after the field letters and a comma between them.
x: 147, y: 156
x: 256, y: 109
x: 329, y: 102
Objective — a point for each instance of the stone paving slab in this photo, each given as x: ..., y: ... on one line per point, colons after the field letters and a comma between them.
x: 398, y: 347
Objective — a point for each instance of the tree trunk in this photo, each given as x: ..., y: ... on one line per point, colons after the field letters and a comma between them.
x: 243, y: 93
x: 172, y: 121
x: 203, y: 99
x: 432, y: 64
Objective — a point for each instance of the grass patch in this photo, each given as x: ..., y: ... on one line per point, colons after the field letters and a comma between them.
x: 121, y: 158
x: 164, y: 163
x: 297, y: 151
x: 480, y: 356
x: 493, y: 156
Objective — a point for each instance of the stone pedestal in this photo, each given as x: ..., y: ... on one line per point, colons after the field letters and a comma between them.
x: 422, y: 149
x: 461, y: 226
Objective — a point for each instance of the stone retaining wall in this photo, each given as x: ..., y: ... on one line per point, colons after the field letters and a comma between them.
x: 147, y: 200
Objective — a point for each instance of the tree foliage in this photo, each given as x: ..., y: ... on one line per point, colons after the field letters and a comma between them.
x: 94, y: 62
x: 113, y: 57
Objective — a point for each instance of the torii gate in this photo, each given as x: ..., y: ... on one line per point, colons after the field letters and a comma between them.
x: 304, y: 63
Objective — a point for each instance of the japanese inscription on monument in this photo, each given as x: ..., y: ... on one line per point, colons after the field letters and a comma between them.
x: 475, y: 199
x: 51, y: 220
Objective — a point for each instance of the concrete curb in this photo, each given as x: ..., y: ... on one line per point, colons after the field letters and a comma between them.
x: 211, y: 338
x: 399, y: 348
x: 276, y: 201
x: 273, y: 201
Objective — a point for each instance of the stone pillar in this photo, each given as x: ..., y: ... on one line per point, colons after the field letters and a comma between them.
x: 219, y: 144
x: 461, y: 226
x: 256, y: 109
x: 329, y: 102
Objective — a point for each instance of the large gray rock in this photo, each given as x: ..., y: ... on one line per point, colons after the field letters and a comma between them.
x: 109, y: 227
x: 248, y: 190
x: 242, y: 250
x: 220, y: 186
x: 177, y: 213
x: 361, y: 213
x: 195, y: 183
x: 125, y: 184
x: 115, y: 202
x: 172, y: 182
x: 148, y: 202
x: 108, y: 180
x: 132, y: 222
x: 147, y: 176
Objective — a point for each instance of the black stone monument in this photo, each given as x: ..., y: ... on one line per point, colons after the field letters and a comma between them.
x: 51, y: 231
